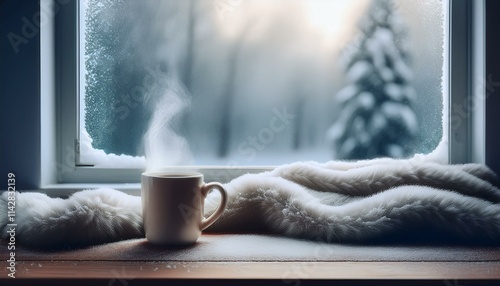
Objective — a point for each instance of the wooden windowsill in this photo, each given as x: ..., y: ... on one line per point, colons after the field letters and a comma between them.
x: 130, y: 270
x: 229, y: 257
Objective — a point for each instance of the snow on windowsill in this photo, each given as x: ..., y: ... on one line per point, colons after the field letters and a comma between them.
x: 100, y: 159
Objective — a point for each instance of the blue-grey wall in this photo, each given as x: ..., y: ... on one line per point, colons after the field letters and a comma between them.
x: 19, y: 94
x: 493, y: 70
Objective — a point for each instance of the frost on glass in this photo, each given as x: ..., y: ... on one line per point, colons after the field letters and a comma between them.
x: 261, y: 82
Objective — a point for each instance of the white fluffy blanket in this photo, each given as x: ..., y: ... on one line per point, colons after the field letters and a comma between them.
x: 360, y: 202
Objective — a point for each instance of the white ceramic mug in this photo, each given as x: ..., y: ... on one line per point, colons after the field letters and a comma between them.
x: 173, y: 204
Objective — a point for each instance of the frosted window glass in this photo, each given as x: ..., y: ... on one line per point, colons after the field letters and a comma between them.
x: 232, y: 83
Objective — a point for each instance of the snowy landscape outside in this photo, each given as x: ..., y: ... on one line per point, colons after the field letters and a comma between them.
x: 257, y: 82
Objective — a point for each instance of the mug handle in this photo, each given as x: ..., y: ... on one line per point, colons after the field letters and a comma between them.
x: 206, y: 222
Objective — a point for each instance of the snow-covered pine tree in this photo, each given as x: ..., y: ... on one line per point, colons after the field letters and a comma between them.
x: 376, y: 118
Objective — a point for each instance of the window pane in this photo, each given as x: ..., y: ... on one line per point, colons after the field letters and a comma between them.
x: 230, y: 82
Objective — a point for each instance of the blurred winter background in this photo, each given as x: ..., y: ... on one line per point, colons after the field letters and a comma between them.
x: 260, y: 82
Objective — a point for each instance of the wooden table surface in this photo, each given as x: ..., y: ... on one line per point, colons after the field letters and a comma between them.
x: 127, y: 273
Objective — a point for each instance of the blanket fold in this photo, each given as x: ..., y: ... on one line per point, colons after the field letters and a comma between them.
x: 346, y: 202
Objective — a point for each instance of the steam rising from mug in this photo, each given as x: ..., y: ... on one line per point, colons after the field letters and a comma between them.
x: 163, y: 146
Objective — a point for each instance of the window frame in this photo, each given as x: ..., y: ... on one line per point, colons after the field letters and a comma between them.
x: 464, y: 137
x: 467, y: 86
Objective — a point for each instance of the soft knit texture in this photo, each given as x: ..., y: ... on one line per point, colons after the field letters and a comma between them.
x: 359, y: 202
